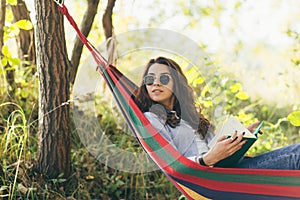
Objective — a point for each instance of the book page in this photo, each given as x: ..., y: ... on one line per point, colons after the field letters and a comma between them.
x: 229, y: 127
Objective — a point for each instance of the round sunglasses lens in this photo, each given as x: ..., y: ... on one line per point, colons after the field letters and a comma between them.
x: 149, y: 80
x: 164, y: 79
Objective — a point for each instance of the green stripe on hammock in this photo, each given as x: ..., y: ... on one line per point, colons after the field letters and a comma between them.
x: 178, y: 166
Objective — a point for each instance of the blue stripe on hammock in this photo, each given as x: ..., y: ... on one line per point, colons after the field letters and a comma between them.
x: 216, y: 194
x: 182, y: 169
x: 179, y: 165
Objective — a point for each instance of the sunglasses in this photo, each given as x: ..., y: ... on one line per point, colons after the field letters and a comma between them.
x: 163, y: 79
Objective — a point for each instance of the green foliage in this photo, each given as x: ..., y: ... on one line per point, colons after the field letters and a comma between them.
x: 295, y: 58
x: 92, y: 179
x: 294, y: 118
x: 24, y: 24
x: 18, y: 141
x: 15, y: 154
x: 217, y: 93
x: 9, y: 59
x: 221, y: 95
x: 99, y: 181
x: 12, y: 2
x: 12, y: 29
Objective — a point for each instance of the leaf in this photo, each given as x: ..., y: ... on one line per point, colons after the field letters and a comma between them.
x: 24, y: 93
x: 242, y: 95
x: 236, y: 87
x: 24, y: 24
x: 4, y: 61
x: 12, y: 2
x: 207, y: 103
x: 5, y: 51
x: 237, y: 5
x: 200, y: 80
x: 294, y: 118
x: 14, y: 30
x: 14, y: 61
x: 22, y: 188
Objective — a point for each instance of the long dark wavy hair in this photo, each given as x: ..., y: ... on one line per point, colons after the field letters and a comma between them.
x: 184, y: 100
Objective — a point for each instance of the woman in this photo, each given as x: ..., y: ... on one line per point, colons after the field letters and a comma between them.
x: 168, y: 102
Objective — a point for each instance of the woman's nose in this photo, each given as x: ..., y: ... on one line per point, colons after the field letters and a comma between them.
x: 156, y: 82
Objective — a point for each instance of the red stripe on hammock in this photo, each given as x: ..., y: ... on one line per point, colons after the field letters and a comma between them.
x: 163, y: 142
x: 97, y: 56
x: 212, y: 184
x: 101, y: 61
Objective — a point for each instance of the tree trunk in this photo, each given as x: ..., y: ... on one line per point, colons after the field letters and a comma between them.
x: 107, y: 19
x: 53, y: 67
x: 25, y: 40
x: 108, y: 30
x: 86, y: 26
x: 9, y: 73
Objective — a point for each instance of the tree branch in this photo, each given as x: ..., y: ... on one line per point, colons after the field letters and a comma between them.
x: 107, y: 19
x: 108, y: 30
x: 25, y: 40
x: 86, y: 26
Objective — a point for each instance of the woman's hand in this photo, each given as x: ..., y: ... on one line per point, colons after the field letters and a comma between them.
x: 224, y: 148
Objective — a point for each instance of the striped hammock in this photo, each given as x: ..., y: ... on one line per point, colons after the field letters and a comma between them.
x: 192, y: 179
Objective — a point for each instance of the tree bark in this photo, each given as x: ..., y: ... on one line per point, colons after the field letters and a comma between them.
x: 53, y: 67
x: 25, y: 40
x: 9, y: 73
x: 86, y: 27
x: 107, y: 19
x: 108, y: 30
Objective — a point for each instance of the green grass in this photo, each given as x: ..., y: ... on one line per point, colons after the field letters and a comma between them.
x: 90, y: 178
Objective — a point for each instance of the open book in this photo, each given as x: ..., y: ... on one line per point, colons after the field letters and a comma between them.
x: 229, y: 127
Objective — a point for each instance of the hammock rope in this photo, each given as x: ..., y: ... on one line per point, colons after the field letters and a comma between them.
x: 100, y: 60
x: 193, y: 180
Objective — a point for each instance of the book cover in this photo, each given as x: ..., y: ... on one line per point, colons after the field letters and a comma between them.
x: 229, y: 127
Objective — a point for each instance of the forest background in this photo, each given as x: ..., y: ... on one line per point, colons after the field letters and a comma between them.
x: 254, y: 56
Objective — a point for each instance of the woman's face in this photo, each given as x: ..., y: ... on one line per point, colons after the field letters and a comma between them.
x: 159, y: 85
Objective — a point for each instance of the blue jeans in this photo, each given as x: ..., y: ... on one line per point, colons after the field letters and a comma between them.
x: 284, y: 158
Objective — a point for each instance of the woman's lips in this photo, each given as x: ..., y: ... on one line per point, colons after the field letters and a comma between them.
x: 157, y: 91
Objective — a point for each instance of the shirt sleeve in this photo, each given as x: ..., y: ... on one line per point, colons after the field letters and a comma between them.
x: 202, y: 143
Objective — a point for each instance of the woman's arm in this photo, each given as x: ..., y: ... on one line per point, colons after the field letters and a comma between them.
x: 202, y: 143
x: 223, y: 148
